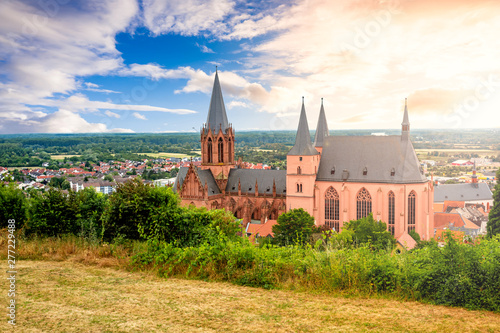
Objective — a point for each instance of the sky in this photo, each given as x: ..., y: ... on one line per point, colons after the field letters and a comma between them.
x: 124, y: 66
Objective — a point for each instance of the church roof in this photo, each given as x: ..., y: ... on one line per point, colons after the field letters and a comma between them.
x: 462, y: 192
x: 205, y: 177
x: 264, y: 178
x: 369, y: 159
x: 217, y: 117
x: 303, y: 145
x: 321, y: 128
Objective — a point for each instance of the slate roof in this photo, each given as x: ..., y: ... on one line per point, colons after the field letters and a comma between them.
x: 462, y: 192
x: 204, y: 175
x: 303, y: 145
x: 217, y: 117
x: 378, y: 154
x: 321, y: 128
x: 264, y: 179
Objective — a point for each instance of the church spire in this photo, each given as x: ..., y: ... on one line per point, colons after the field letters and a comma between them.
x: 321, y: 128
x: 303, y: 145
x: 217, y: 118
x: 405, y: 125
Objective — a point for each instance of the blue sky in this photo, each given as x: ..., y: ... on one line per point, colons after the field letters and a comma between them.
x: 148, y: 66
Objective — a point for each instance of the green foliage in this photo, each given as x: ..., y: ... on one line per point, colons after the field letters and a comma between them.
x: 493, y: 227
x: 13, y: 205
x: 52, y: 213
x: 414, y: 235
x: 367, y: 231
x: 129, y: 206
x: 293, y: 227
x: 59, y: 182
x: 109, y: 178
x: 457, y: 274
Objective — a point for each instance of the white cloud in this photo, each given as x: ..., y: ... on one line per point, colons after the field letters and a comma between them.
x: 188, y: 17
x: 204, y: 48
x: 61, y: 121
x: 139, y: 116
x: 111, y: 114
x: 240, y: 104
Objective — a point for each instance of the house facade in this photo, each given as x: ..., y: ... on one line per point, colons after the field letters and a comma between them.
x: 335, y: 178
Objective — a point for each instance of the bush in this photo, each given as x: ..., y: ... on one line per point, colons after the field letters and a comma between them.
x: 13, y: 205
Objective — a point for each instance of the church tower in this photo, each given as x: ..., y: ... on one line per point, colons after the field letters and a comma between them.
x: 302, y: 165
x: 321, y: 129
x: 217, y: 138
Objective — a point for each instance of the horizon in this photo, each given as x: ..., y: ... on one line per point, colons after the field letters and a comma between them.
x: 148, y: 66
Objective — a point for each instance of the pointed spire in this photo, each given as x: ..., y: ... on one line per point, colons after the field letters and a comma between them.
x: 303, y: 145
x: 217, y: 118
x: 321, y: 128
x: 405, y: 125
x: 474, y: 175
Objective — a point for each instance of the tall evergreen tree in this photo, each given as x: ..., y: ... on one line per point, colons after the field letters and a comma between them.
x: 493, y: 227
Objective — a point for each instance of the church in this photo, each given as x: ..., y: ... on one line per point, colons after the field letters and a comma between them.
x: 335, y: 178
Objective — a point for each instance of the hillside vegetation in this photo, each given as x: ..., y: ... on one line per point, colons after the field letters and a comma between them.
x: 66, y: 296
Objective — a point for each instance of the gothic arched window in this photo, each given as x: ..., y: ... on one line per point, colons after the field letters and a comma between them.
x: 411, y: 211
x: 209, y: 150
x: 392, y: 215
x: 230, y: 155
x: 220, y: 149
x: 363, y: 204
x: 299, y: 170
x: 332, y: 218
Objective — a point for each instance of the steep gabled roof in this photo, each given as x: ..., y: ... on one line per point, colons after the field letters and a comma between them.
x: 303, y: 145
x: 321, y: 128
x: 369, y: 159
x: 217, y: 117
x: 264, y: 179
x: 205, y: 176
x: 462, y: 192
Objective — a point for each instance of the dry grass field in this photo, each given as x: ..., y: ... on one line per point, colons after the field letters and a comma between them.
x: 66, y: 296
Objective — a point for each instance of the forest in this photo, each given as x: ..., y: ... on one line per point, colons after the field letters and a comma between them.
x: 30, y: 150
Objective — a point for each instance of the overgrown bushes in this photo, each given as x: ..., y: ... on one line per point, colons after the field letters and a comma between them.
x: 456, y: 275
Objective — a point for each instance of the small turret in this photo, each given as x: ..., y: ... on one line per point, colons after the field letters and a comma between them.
x: 405, y: 125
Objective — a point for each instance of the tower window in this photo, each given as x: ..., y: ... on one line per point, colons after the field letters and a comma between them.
x: 300, y: 158
x: 299, y: 170
x: 209, y: 150
x: 221, y: 150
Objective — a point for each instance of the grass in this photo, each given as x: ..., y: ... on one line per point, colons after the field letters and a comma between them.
x: 66, y: 296
x: 158, y: 155
x: 61, y: 157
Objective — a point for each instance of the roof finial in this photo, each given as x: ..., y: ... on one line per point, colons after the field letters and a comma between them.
x: 215, y: 68
x: 302, y: 99
x: 321, y: 100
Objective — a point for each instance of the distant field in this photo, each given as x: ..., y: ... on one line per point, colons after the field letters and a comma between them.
x: 157, y: 155
x: 66, y: 296
x: 61, y: 157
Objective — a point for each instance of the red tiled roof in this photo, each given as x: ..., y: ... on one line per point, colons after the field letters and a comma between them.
x: 454, y: 204
x: 407, y: 241
x: 444, y: 219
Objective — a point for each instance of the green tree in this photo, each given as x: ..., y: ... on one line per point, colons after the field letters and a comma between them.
x: 493, y: 226
x: 13, y: 205
x: 368, y: 231
x: 293, y: 227
x: 52, y: 213
x: 109, y: 178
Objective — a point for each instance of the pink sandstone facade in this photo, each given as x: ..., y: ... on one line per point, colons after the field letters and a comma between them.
x: 336, y: 179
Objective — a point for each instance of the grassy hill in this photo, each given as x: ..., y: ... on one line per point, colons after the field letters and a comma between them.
x: 65, y: 296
